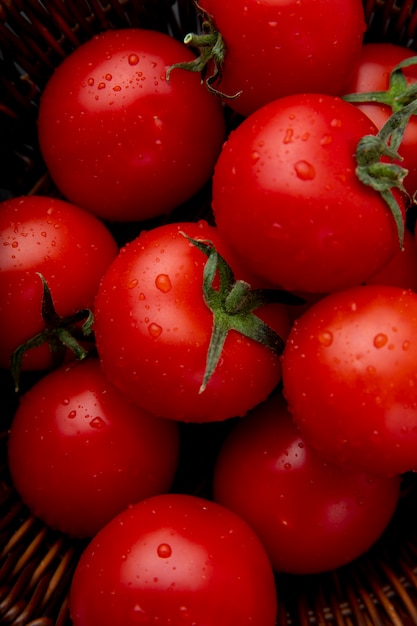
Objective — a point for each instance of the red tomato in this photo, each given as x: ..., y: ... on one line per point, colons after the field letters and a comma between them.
x: 310, y: 515
x: 118, y: 139
x: 68, y: 246
x: 153, y: 329
x: 350, y: 378
x: 174, y: 559
x: 277, y: 48
x: 287, y: 200
x: 401, y: 271
x: 79, y: 452
x: 372, y: 74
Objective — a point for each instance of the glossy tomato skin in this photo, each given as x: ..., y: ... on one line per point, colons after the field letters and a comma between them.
x: 174, y: 559
x: 310, y: 515
x: 79, y: 452
x: 70, y: 247
x: 118, y: 139
x: 153, y: 329
x: 350, y: 378
x: 372, y: 73
x: 277, y: 48
x: 287, y: 200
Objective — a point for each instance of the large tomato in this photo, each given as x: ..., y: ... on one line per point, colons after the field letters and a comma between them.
x: 117, y: 137
x: 282, y: 47
x: 287, y: 199
x: 174, y: 559
x: 310, y: 515
x: 350, y: 378
x: 153, y: 330
x: 70, y: 248
x: 79, y: 452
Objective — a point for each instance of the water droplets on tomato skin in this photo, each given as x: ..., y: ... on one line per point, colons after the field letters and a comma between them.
x: 305, y: 170
x: 164, y: 550
x: 163, y: 283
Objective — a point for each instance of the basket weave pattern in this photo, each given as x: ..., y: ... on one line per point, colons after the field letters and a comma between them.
x: 36, y: 564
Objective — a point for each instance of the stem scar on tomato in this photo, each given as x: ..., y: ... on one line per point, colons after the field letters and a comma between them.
x: 212, y: 50
x: 232, y: 305
x: 59, y: 332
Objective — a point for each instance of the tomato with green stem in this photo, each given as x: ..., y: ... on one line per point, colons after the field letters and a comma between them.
x: 254, y: 52
x: 47, y: 242
x: 179, y: 334
x: 301, y: 195
x: 118, y: 139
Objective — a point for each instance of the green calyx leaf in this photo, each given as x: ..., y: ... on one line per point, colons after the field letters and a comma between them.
x: 233, y: 305
x: 398, y: 94
x: 60, y: 333
x: 381, y: 175
x: 211, y: 54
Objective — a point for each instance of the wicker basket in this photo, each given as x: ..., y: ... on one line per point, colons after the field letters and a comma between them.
x: 36, y: 564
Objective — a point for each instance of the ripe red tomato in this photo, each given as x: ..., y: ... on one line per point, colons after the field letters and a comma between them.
x: 277, y: 48
x: 174, y: 559
x: 287, y: 200
x: 372, y: 74
x: 153, y: 330
x: 310, y: 515
x: 79, y: 452
x: 70, y: 247
x: 350, y: 378
x: 118, y: 139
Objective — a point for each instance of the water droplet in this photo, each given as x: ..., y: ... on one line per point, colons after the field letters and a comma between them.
x: 305, y: 170
x: 288, y: 135
x: 163, y: 283
x: 336, y: 123
x: 72, y: 414
x: 406, y: 344
x: 287, y: 466
x: 108, y: 77
x: 154, y: 330
x: 380, y: 340
x: 97, y: 422
x: 325, y: 338
x: 326, y: 140
x: 164, y: 550
x: 117, y: 88
x: 132, y: 283
x: 65, y: 401
x: 90, y: 82
x: 101, y: 86
x: 133, y: 59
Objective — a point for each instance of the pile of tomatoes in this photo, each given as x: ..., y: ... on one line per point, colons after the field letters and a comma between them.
x: 218, y: 398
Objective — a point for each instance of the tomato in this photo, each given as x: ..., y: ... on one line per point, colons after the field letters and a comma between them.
x: 350, y: 378
x: 174, y: 559
x: 67, y: 245
x: 401, y: 271
x: 79, y: 452
x: 310, y: 515
x: 287, y: 199
x: 277, y: 48
x: 153, y: 329
x: 372, y: 74
x: 118, y: 139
